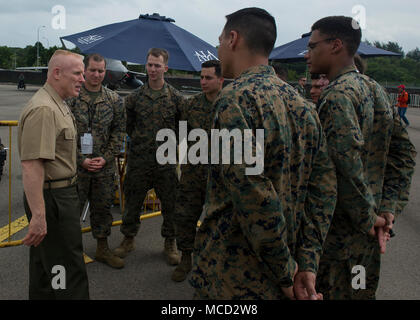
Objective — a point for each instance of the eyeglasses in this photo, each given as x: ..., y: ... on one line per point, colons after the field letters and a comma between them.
x: 312, y: 45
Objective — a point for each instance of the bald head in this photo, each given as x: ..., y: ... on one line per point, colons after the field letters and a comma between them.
x: 62, y: 59
x: 65, y: 73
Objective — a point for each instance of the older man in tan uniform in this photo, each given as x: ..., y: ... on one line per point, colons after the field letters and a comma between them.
x: 47, y: 148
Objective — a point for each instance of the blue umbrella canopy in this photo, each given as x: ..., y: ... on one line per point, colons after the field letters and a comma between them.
x: 296, y: 50
x: 131, y: 40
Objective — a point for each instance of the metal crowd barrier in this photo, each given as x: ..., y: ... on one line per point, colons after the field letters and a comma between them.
x: 414, y: 100
x: 151, y: 199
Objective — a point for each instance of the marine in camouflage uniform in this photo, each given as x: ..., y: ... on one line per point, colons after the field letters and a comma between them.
x: 199, y: 115
x: 108, y: 119
x: 191, y: 193
x: 148, y: 111
x: 300, y: 87
x: 301, y: 90
x: 375, y: 162
x: 257, y: 227
x: 100, y: 118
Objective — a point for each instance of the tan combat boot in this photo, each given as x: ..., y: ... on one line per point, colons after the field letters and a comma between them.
x: 103, y: 254
x: 171, y: 253
x: 184, y: 267
x: 126, y: 246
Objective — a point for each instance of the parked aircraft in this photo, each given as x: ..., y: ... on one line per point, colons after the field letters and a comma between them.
x: 117, y: 74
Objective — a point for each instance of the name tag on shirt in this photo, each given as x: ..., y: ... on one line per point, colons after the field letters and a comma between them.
x: 86, y: 143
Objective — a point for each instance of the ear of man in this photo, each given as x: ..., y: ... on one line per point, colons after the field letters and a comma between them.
x: 233, y: 38
x: 338, y: 46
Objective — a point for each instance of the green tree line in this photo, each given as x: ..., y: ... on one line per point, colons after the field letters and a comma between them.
x: 10, y: 57
x: 386, y: 70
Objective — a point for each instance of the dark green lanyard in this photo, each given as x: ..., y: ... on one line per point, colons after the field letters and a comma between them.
x: 91, y: 112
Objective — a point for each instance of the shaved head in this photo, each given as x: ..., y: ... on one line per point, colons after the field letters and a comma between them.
x: 62, y: 59
x: 65, y: 73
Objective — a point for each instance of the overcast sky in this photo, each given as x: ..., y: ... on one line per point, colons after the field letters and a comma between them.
x: 384, y: 20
